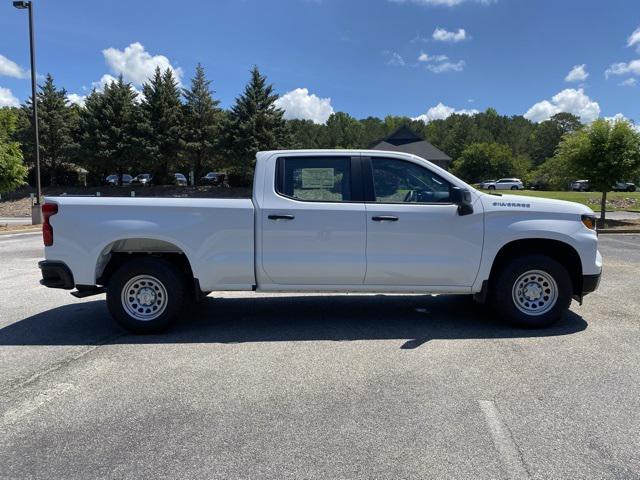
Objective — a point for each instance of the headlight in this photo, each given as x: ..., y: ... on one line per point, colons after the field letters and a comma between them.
x: 589, y: 221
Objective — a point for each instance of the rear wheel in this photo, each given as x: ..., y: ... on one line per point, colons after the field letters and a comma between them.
x: 145, y: 295
x: 532, y: 291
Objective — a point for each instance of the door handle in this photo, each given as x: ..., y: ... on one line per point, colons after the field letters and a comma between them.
x: 281, y: 217
x: 384, y: 218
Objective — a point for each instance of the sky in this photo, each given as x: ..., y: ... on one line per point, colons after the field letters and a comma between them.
x: 420, y: 58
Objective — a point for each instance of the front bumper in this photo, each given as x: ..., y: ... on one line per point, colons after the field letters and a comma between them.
x: 590, y: 283
x: 56, y: 275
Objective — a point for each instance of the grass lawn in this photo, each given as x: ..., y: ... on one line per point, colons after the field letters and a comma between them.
x: 615, y: 200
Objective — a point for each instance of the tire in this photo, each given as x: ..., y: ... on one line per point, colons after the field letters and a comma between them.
x: 514, y: 188
x: 631, y: 189
x: 158, y: 283
x: 532, y: 291
x: 491, y: 187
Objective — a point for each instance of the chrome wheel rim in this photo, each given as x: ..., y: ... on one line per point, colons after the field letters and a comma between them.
x: 535, y: 292
x: 144, y: 298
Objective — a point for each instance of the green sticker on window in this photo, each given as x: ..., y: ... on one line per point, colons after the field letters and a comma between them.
x: 317, y: 177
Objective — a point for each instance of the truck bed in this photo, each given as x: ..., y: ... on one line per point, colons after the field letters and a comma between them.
x: 216, y: 235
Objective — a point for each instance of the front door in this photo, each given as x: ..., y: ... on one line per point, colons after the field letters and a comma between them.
x: 415, y: 235
x: 313, y: 231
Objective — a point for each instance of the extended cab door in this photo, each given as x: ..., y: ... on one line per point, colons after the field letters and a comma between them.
x: 415, y: 236
x: 312, y: 216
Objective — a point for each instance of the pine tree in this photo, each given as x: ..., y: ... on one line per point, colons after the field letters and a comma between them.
x: 57, y: 123
x: 255, y: 124
x: 162, y: 113
x: 110, y: 132
x: 202, y: 122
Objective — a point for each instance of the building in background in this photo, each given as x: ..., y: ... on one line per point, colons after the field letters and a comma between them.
x: 406, y: 140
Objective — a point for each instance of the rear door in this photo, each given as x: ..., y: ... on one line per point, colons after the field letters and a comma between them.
x: 313, y: 222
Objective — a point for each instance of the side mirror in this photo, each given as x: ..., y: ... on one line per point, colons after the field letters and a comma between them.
x: 462, y: 198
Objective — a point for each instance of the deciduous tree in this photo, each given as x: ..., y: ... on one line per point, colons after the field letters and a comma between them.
x: 12, y: 169
x: 603, y: 153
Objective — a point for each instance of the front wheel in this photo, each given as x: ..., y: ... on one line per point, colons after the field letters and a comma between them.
x: 491, y: 187
x: 145, y: 295
x: 532, y: 291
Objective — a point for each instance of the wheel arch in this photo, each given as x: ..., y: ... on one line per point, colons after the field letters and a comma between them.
x: 118, y: 252
x: 560, y: 251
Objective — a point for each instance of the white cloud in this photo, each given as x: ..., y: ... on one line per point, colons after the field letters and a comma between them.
x: 300, y: 104
x: 622, y: 68
x: 442, y: 111
x: 577, y: 74
x: 104, y: 80
x: 395, y: 59
x: 10, y: 68
x: 425, y: 57
x: 74, y: 98
x: 569, y: 100
x: 448, y: 3
x: 442, y: 35
x: 445, y: 67
x: 634, y: 39
x: 7, y: 99
x: 136, y: 65
x: 629, y: 82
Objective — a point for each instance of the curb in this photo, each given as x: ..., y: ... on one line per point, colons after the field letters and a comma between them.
x: 18, y: 232
x: 613, y: 230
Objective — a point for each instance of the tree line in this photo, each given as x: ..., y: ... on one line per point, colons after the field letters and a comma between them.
x: 170, y: 129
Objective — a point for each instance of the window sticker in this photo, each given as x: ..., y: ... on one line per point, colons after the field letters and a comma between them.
x: 318, y: 177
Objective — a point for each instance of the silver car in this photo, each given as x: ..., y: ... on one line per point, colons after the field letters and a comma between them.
x: 506, y: 184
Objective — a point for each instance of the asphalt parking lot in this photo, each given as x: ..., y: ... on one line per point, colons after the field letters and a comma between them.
x: 310, y: 386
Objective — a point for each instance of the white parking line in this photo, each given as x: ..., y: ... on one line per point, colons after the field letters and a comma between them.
x: 503, y: 442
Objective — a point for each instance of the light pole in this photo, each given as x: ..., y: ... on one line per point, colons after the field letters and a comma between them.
x: 36, y: 214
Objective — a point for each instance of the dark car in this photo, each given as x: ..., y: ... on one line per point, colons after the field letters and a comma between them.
x: 213, y: 178
x: 143, y: 179
x: 580, y: 186
x: 179, y: 179
x: 622, y: 186
x: 113, y: 180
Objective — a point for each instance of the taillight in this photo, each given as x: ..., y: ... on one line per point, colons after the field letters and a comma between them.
x: 48, y: 209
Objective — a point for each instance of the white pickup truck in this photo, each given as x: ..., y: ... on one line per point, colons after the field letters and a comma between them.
x: 325, y: 221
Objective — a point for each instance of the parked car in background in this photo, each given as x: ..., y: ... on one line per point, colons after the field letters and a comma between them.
x: 580, y: 186
x: 112, y: 180
x: 216, y: 179
x: 507, y: 184
x: 143, y: 179
x: 622, y: 186
x: 179, y: 179
x: 485, y: 184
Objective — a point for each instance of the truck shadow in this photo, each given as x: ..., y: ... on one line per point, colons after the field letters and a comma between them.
x: 412, y: 320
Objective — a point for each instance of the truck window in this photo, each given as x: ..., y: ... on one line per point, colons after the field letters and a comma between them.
x: 316, y: 179
x: 398, y: 181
